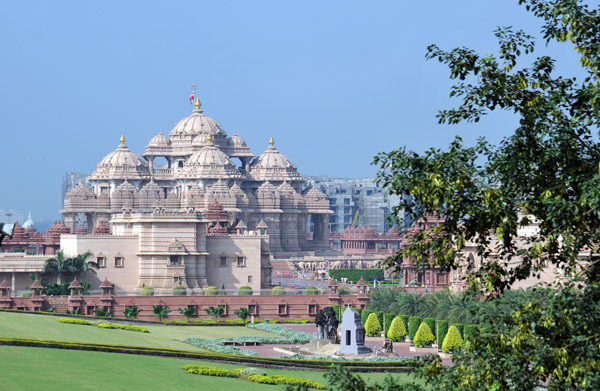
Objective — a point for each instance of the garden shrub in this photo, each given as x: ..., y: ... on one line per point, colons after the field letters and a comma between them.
x: 289, y: 380
x: 278, y: 291
x: 452, y: 341
x: 209, y: 371
x: 379, y: 315
x: 179, y: 291
x: 245, y: 291
x: 247, y: 372
x: 364, y: 315
x: 369, y: 275
x: 389, y: 317
x: 76, y: 321
x: 344, y: 290
x: 295, y: 321
x: 397, y: 331
x: 273, y: 321
x: 123, y: 327
x: 147, y: 291
x: 211, y: 291
x: 431, y: 323
x: 460, y: 327
x: 405, y: 320
x: 26, y: 294
x: 442, y: 330
x: 311, y: 290
x: 237, y: 371
x: 372, y: 327
x: 424, y: 336
x: 413, y: 325
x: 336, y: 309
x: 471, y: 332
x: 103, y: 312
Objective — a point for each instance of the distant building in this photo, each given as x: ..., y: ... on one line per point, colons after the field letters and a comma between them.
x: 347, y: 196
x: 70, y: 182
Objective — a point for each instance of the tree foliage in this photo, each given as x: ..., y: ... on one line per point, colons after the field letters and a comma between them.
x: 397, y: 331
x: 372, y: 326
x: 161, y: 311
x: 452, y: 340
x: 189, y: 311
x: 242, y: 313
x: 424, y: 335
x: 131, y: 312
x: 217, y: 312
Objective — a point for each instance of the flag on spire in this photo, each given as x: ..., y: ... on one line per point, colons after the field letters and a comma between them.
x: 192, y: 97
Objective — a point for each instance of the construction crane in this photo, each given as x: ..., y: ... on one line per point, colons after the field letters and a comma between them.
x: 355, y: 219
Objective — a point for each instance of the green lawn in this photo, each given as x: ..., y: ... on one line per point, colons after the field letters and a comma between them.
x: 48, y: 327
x: 25, y: 368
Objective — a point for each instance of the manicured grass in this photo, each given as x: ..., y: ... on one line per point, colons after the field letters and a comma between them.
x: 26, y: 368
x: 48, y: 327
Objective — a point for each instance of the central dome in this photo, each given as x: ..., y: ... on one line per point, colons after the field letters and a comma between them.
x: 196, y: 124
x: 209, y: 162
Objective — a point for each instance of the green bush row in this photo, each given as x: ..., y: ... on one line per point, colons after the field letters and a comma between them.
x: 289, y: 380
x: 358, y: 366
x: 76, y: 321
x: 369, y: 275
x: 123, y: 327
x: 210, y: 371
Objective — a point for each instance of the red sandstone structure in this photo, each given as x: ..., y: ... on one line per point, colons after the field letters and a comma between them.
x: 29, y: 240
x: 261, y: 307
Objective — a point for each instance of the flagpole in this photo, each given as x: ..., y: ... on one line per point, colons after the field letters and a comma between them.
x: 193, y: 94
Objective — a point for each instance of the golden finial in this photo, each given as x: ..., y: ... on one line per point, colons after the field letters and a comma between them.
x: 209, y: 138
x: 122, y: 139
x: 197, y: 104
x: 271, y: 141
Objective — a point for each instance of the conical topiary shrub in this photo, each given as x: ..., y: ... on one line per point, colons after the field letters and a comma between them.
x: 424, y: 336
x: 397, y: 331
x: 372, y: 327
x: 452, y: 341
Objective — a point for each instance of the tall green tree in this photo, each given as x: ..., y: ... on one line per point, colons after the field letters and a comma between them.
x: 82, y: 264
x: 161, y: 311
x: 189, y: 312
x: 242, y: 313
x: 58, y: 265
x: 217, y: 312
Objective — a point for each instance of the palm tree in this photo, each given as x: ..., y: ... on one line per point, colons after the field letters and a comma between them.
x: 132, y: 312
x: 242, y: 313
x: 189, y: 311
x: 58, y: 265
x: 217, y: 312
x: 161, y: 311
x: 82, y: 264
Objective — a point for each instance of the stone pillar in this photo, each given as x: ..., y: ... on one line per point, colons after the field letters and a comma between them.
x: 13, y: 283
x: 70, y: 221
x: 151, y: 164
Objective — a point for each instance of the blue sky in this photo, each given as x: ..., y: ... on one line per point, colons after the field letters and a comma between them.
x: 334, y: 82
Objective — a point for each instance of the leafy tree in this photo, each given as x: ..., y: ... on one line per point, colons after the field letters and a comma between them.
x: 82, y: 264
x: 217, y: 312
x: 397, y: 331
x: 58, y: 265
x: 54, y: 289
x: 104, y: 311
x: 161, y: 311
x: 548, y: 168
x: 372, y: 326
x: 131, y: 312
x: 85, y: 287
x: 413, y: 327
x: 189, y: 312
x: 242, y: 313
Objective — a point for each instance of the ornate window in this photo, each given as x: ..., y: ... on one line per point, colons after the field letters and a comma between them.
x: 101, y: 261
x: 119, y: 261
x: 223, y: 261
x: 241, y: 262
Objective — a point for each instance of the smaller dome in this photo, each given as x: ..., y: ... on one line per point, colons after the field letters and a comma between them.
x: 160, y: 140
x: 200, y: 140
x: 236, y: 141
x: 273, y: 165
x: 209, y: 162
x: 121, y: 164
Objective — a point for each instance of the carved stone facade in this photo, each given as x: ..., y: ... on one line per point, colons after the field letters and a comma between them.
x: 200, y: 170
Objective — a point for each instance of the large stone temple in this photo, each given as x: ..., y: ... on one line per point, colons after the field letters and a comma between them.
x: 201, y: 168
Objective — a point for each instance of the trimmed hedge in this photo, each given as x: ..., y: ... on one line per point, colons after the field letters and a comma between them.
x: 364, y: 315
x: 471, y: 332
x: 179, y: 291
x: 247, y: 372
x: 123, y: 327
x: 76, y: 321
x: 404, y: 320
x: 389, y: 317
x: 147, y: 291
x: 424, y: 336
x: 278, y: 291
x: 460, y: 327
x: 369, y: 275
x: 413, y: 326
x: 397, y: 331
x: 311, y: 290
x: 372, y: 327
x: 289, y: 380
x: 431, y: 323
x: 209, y: 371
x: 211, y: 291
x: 452, y: 341
x: 245, y: 291
x: 442, y: 330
